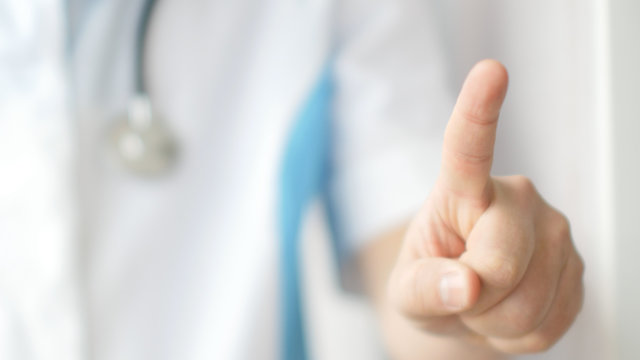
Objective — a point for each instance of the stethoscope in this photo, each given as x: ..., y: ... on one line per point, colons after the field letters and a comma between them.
x: 143, y: 142
x: 146, y: 146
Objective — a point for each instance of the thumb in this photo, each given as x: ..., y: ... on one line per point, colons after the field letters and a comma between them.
x: 467, y: 151
x: 434, y: 286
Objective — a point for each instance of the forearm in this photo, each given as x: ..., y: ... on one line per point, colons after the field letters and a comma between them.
x: 404, y: 340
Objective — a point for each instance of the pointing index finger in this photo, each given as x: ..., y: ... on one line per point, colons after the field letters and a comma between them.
x: 467, y: 152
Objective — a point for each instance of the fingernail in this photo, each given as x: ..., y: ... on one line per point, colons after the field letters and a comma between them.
x: 453, y: 292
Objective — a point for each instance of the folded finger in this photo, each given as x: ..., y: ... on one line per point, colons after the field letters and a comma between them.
x: 563, y: 311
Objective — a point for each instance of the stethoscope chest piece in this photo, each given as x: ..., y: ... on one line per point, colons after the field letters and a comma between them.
x: 143, y: 143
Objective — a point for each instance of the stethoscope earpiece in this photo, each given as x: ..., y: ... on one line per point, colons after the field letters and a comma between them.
x: 142, y: 141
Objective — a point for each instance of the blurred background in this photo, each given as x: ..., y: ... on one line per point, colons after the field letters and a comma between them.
x: 570, y: 123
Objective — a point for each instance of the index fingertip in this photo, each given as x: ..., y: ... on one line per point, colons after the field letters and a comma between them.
x: 493, y: 78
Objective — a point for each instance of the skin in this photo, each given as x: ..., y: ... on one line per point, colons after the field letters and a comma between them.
x: 486, y: 267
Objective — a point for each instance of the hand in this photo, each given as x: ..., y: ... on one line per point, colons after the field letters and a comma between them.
x: 487, y: 259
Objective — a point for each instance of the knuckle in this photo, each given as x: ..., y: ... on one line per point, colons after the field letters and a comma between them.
x: 526, y: 321
x: 406, y: 292
x: 479, y: 116
x: 416, y: 301
x: 524, y: 184
x: 463, y: 159
x: 525, y: 190
x: 501, y: 272
x: 560, y: 226
x: 559, y: 236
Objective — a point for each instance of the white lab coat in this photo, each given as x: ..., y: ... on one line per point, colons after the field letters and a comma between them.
x: 40, y: 311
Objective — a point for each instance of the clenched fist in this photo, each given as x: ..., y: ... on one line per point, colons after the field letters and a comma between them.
x: 486, y: 259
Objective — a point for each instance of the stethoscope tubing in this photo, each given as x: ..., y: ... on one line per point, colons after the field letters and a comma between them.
x: 141, y: 42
